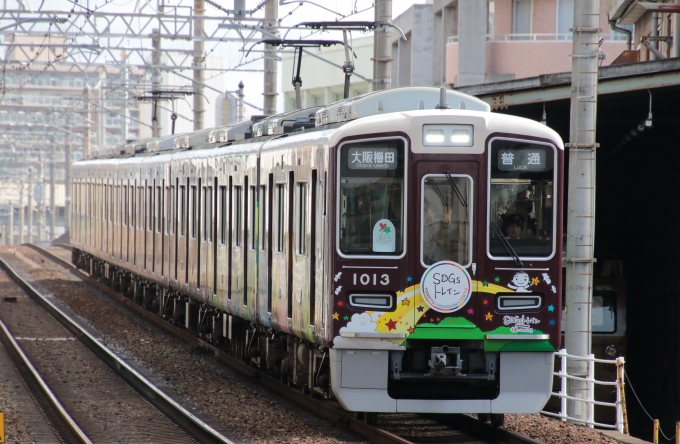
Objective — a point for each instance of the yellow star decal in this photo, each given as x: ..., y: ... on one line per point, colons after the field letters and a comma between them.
x: 489, y: 316
x: 535, y: 281
x: 336, y: 316
x: 406, y: 302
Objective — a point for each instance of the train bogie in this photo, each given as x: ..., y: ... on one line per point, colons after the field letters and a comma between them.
x: 372, y: 259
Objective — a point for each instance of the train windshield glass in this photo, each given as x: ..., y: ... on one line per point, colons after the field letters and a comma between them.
x: 446, y: 216
x: 521, y: 198
x: 372, y: 198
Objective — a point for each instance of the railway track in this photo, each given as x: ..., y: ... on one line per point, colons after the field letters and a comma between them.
x: 84, y: 392
x: 391, y: 428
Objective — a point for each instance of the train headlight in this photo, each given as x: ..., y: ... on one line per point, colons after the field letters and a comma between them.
x: 611, y: 351
x: 448, y: 135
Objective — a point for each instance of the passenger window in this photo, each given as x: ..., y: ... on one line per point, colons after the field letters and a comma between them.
x: 253, y: 217
x: 302, y: 218
x: 238, y: 213
x: 446, y: 212
x: 263, y: 216
x: 521, y: 193
x: 158, y: 209
x: 280, y: 217
x: 194, y: 212
x: 208, y: 217
x: 223, y: 214
x: 182, y: 210
x: 149, y: 205
x: 604, y: 311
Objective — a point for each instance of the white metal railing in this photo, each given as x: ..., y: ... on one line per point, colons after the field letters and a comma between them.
x: 590, y: 402
x: 613, y: 37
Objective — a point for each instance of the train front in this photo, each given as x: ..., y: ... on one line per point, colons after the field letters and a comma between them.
x: 446, y: 280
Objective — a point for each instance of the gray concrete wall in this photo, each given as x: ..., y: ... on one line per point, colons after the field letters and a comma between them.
x: 472, y: 21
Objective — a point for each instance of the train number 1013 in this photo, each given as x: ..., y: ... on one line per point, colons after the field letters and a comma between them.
x: 366, y: 279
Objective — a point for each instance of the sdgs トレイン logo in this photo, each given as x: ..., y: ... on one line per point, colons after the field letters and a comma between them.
x: 446, y: 287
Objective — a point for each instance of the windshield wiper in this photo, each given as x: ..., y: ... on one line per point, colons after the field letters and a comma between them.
x: 506, y: 244
x: 455, y: 189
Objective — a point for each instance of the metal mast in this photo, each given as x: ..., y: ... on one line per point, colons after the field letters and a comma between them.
x: 199, y: 76
x: 382, y: 47
x: 271, y: 75
x: 581, y: 192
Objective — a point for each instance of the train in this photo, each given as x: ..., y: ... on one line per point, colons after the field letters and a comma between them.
x: 398, y: 251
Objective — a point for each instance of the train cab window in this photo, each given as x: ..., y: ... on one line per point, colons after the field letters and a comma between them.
x: 446, y: 212
x: 521, y: 194
x: 371, y: 198
x: 603, y: 313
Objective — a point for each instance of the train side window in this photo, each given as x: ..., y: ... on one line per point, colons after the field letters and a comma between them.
x: 262, y: 216
x: 194, y: 212
x: 238, y: 214
x: 159, y: 209
x: 125, y: 205
x: 302, y: 217
x: 205, y: 209
x: 140, y: 208
x: 169, y: 208
x: 182, y: 210
x: 223, y: 214
x: 253, y: 217
x: 521, y: 195
x: 149, y: 206
x: 208, y: 205
x: 280, y: 217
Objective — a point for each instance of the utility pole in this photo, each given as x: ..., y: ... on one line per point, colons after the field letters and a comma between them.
x: 155, y: 83
x: 239, y: 110
x: 67, y: 186
x: 101, y: 134
x: 199, y: 63
x: 10, y: 231
x: 581, y: 192
x: 21, y: 211
x: 126, y: 111
x: 39, y: 200
x: 53, y: 204
x: 30, y: 205
x: 271, y: 17
x: 382, y: 47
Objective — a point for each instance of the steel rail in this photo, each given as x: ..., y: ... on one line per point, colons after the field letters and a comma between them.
x: 373, y: 434
x: 72, y: 427
x: 184, y: 418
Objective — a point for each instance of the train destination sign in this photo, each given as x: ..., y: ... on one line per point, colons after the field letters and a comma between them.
x: 372, y: 158
x: 522, y: 159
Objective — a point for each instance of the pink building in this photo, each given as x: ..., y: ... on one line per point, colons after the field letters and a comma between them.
x: 524, y: 38
x: 491, y: 41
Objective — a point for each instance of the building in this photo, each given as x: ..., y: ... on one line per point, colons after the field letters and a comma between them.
x: 52, y: 111
x: 481, y: 41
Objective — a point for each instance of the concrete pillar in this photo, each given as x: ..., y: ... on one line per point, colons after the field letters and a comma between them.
x: 40, y: 203
x: 21, y: 212
x: 30, y: 205
x: 421, y: 45
x: 10, y: 230
x: 472, y: 22
x: 271, y: 74
x: 382, y: 47
x: 676, y: 32
x: 156, y: 83
x: 53, y: 204
x: 67, y: 186
x: 199, y: 62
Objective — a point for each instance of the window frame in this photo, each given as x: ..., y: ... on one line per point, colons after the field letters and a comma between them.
x: 488, y: 200
x: 338, y: 199
x: 471, y: 203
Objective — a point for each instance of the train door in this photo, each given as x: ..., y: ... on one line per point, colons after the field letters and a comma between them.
x: 158, y: 246
x: 206, y: 237
x: 194, y: 231
x: 448, y: 207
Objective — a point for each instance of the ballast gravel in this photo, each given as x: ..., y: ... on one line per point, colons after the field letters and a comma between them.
x: 258, y: 417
